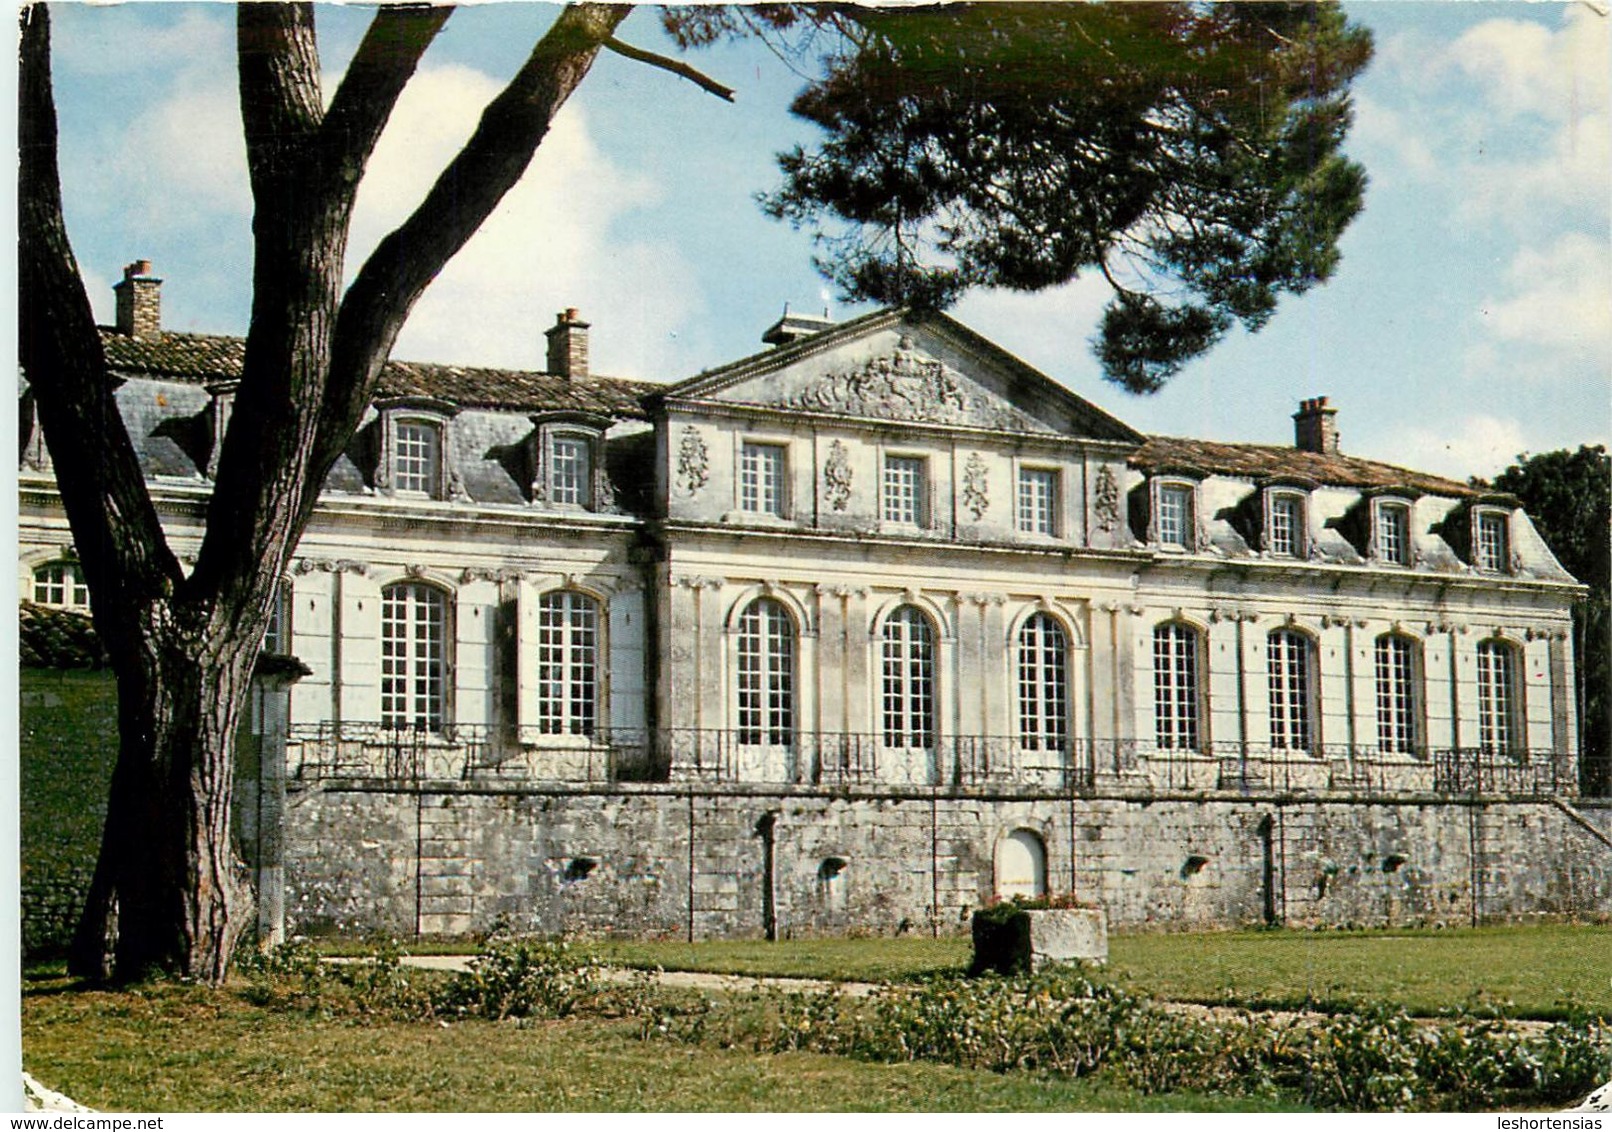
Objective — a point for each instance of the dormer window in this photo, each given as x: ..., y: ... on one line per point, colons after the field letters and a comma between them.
x: 1286, y: 530
x: 1175, y: 521
x: 1391, y: 531
x: 417, y: 464
x: 571, y: 471
x: 1491, y: 541
x: 219, y: 411
x: 414, y: 448
x: 568, y: 471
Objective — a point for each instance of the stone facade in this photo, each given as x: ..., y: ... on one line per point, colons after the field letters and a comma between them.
x: 855, y: 609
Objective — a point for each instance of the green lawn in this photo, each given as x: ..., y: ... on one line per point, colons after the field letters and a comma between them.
x: 173, y: 1048
x: 1534, y: 968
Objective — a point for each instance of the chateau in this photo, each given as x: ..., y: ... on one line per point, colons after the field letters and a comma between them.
x: 861, y: 630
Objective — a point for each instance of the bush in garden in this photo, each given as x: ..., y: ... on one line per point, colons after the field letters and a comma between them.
x: 1001, y: 940
x: 512, y: 977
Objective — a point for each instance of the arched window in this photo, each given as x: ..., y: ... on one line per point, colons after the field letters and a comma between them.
x: 1396, y: 676
x: 1175, y: 686
x: 414, y: 667
x: 766, y: 674
x: 567, y: 663
x: 1021, y: 866
x: 1043, y: 684
x: 1497, y: 698
x: 1288, y: 656
x: 909, y: 679
x: 61, y: 584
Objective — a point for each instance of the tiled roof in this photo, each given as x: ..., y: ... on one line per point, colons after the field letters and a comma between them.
x: 1273, y: 461
x: 203, y: 358
x: 57, y: 638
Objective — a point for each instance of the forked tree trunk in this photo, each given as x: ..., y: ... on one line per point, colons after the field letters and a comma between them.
x: 168, y: 895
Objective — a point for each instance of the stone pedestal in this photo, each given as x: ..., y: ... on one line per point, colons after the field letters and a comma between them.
x: 1011, y: 940
x: 1067, y: 935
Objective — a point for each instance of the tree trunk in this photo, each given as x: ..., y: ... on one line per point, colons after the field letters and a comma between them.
x: 168, y: 893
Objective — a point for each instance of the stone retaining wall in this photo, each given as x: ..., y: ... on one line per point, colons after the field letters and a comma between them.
x: 694, y: 863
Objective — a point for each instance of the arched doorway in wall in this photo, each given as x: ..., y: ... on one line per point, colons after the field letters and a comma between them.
x: 1021, y: 865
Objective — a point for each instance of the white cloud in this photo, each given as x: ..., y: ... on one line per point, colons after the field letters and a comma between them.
x: 1511, y: 117
x: 1476, y: 445
x: 1559, y: 297
x: 1050, y: 329
x: 1381, y: 128
x: 1527, y: 68
x: 185, y: 148
x: 98, y: 46
x: 549, y: 245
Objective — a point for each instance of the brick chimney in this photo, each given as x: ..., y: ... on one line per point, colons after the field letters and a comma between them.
x: 1315, y: 427
x: 139, y: 301
x: 568, y: 345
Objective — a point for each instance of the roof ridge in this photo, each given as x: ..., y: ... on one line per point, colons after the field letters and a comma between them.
x: 1359, y: 464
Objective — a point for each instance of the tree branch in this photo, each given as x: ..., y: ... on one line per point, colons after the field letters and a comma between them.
x: 489, y: 165
x: 124, y: 553
x: 380, y: 69
x: 280, y: 94
x: 675, y: 66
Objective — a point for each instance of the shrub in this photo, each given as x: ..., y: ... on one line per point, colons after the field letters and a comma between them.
x: 295, y: 976
x: 1001, y: 940
x: 513, y: 977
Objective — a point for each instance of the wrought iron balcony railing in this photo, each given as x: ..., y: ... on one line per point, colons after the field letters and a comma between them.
x: 478, y: 753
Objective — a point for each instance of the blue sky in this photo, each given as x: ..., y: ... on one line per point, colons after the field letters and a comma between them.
x: 1471, y: 318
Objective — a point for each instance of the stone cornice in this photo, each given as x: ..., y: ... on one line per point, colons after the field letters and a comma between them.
x: 1019, y: 441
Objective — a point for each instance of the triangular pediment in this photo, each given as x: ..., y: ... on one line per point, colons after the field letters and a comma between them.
x: 902, y: 367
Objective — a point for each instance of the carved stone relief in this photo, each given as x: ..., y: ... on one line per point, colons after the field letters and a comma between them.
x: 976, y: 488
x: 837, y: 477
x: 1106, y: 507
x: 693, y: 461
x: 329, y: 566
x: 907, y: 386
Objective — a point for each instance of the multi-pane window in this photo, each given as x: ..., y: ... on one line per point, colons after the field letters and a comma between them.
x: 277, y: 637
x: 1497, y: 698
x: 1396, y: 695
x: 1043, y: 684
x: 61, y: 584
x: 1038, y: 501
x: 1175, y: 518
x: 1287, y: 656
x: 909, y: 679
x: 1285, y: 534
x: 414, y: 620
x: 904, y: 490
x: 1493, y: 553
x: 571, y: 471
x: 1393, y: 533
x: 766, y: 674
x: 761, y: 479
x: 417, y: 458
x: 1175, y: 686
x: 567, y: 663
